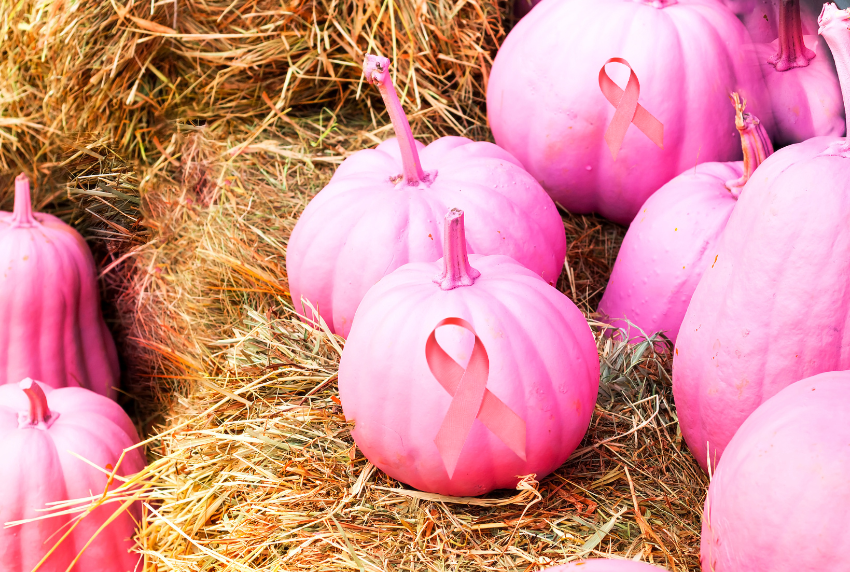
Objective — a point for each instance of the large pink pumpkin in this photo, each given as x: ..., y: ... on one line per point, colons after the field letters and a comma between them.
x: 775, y: 306
x: 672, y: 240
x: 545, y: 106
x: 602, y: 565
x: 543, y: 366
x: 39, y: 429
x: 779, y: 499
x: 51, y: 327
x: 382, y: 209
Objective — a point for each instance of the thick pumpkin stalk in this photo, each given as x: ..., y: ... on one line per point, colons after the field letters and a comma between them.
x: 40, y: 415
x: 834, y: 28
x: 754, y: 141
x: 377, y: 71
x: 456, y: 269
x: 793, y: 52
x: 22, y: 215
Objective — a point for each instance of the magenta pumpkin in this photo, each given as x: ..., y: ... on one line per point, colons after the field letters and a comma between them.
x: 383, y: 208
x: 672, y: 240
x: 543, y: 369
x: 601, y: 565
x: 545, y: 106
x: 774, y: 307
x: 51, y: 327
x: 39, y: 428
x: 779, y: 499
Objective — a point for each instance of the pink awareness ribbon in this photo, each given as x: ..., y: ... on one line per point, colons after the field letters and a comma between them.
x: 470, y: 399
x: 628, y: 110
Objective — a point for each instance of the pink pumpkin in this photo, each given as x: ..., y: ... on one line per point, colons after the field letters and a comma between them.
x: 383, y: 207
x: 671, y: 241
x: 774, y: 306
x: 601, y: 565
x: 541, y: 381
x: 761, y: 17
x: 545, y: 105
x: 780, y: 497
x: 51, y: 327
x: 801, y: 80
x: 39, y: 429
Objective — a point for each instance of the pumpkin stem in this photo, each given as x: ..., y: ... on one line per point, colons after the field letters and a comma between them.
x: 377, y: 71
x: 754, y: 140
x: 834, y: 28
x: 22, y: 215
x: 39, y: 413
x: 793, y: 52
x: 456, y: 269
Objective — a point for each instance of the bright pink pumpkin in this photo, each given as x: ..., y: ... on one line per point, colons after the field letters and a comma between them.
x: 602, y: 565
x: 780, y: 497
x: 761, y: 17
x: 51, y: 327
x: 542, y: 365
x: 774, y: 307
x: 39, y: 428
x: 545, y: 106
x: 671, y: 241
x: 801, y: 81
x: 382, y: 209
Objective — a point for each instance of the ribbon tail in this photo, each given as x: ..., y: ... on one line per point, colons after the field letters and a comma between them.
x: 503, y: 423
x: 649, y: 125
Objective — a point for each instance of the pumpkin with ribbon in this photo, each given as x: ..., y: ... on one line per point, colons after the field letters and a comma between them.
x: 782, y: 484
x: 51, y: 326
x: 672, y: 239
x: 383, y: 207
x: 596, y: 147
x: 773, y: 307
x: 60, y: 445
x: 463, y: 374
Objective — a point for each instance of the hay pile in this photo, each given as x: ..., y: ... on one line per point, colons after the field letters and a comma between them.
x: 185, y: 150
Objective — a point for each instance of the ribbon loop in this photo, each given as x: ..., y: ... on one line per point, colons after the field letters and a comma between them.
x: 470, y: 399
x: 628, y: 110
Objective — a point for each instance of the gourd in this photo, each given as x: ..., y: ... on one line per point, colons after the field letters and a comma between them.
x: 51, y: 327
x: 40, y: 428
x: 383, y: 207
x: 782, y: 484
x: 774, y: 306
x: 670, y: 243
x: 540, y: 365
x: 545, y: 106
x: 602, y: 565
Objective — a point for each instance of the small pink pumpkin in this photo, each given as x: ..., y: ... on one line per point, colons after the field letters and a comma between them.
x: 774, y: 307
x: 51, y: 327
x: 383, y: 207
x: 779, y: 499
x: 39, y: 429
x: 602, y: 565
x: 543, y: 370
x: 672, y: 240
x: 545, y: 106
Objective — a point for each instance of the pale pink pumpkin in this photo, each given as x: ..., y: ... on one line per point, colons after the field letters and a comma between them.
x: 672, y: 240
x: 542, y: 365
x: 780, y: 497
x: 39, y: 429
x: 384, y: 206
x: 545, y: 106
x: 51, y: 327
x: 774, y: 307
x: 602, y: 565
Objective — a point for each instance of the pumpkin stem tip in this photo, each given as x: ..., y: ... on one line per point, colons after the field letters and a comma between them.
x: 39, y: 414
x: 456, y: 269
x: 22, y: 215
x: 754, y: 141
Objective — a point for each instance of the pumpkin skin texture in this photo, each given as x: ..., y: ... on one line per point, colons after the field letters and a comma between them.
x: 40, y: 469
x: 545, y: 106
x: 671, y: 241
x: 370, y: 220
x: 782, y: 484
x: 775, y: 307
x: 602, y: 565
x: 51, y: 326
x: 542, y: 364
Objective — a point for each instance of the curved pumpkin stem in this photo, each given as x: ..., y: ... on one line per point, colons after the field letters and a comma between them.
x: 754, y: 141
x: 834, y: 28
x: 377, y: 71
x: 456, y: 269
x: 793, y: 52
x: 22, y: 215
x: 39, y: 413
